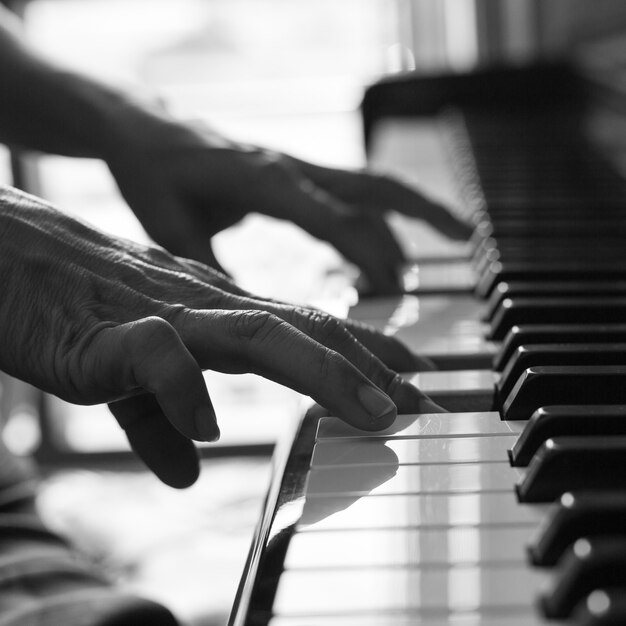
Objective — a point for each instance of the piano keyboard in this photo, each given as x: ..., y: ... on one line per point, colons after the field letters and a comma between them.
x: 510, y: 510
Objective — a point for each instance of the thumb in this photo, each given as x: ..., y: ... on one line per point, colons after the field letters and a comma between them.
x: 148, y: 355
x: 168, y: 454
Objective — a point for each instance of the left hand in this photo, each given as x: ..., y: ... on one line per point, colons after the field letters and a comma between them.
x: 186, y: 184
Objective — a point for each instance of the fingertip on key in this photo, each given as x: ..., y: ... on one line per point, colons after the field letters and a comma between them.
x: 379, y: 406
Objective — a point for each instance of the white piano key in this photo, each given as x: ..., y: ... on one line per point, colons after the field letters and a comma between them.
x: 427, y: 425
x: 456, y: 589
x: 436, y: 325
x: 389, y: 480
x: 373, y: 451
x: 477, y: 381
x: 417, y: 511
x: 461, y: 545
x: 523, y: 618
x: 445, y: 274
x: 396, y: 310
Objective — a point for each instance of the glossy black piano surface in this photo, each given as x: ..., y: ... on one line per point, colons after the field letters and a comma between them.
x: 450, y: 519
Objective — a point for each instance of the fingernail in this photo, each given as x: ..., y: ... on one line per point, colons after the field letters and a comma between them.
x: 378, y: 404
x: 204, y: 420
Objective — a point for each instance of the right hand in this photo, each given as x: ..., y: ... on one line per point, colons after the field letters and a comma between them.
x: 185, y: 184
x: 95, y: 319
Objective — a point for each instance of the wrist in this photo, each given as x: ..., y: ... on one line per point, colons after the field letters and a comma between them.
x: 135, y: 130
x: 112, y: 118
x: 82, y: 117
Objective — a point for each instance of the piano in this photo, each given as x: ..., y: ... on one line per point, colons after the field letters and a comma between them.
x: 510, y: 510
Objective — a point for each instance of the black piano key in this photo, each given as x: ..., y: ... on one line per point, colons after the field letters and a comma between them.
x: 559, y: 334
x: 567, y: 271
x: 546, y: 254
x: 573, y: 420
x: 594, y: 226
x: 548, y: 250
x: 557, y: 354
x: 602, y: 607
x: 554, y: 207
x: 574, y: 463
x: 592, y: 564
x: 565, y: 234
x: 557, y: 385
x: 549, y: 206
x: 549, y: 289
x: 545, y: 257
x: 576, y: 310
x: 552, y: 180
x: 577, y: 515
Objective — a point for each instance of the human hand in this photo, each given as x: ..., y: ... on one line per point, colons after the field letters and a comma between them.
x: 94, y: 319
x: 186, y: 184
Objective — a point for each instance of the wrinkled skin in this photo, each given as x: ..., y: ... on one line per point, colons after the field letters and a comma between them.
x: 94, y: 319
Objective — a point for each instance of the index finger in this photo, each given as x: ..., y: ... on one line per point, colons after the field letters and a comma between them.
x: 385, y: 193
x: 362, y: 236
x: 262, y: 343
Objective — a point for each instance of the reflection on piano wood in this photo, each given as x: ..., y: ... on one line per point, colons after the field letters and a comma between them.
x: 511, y: 509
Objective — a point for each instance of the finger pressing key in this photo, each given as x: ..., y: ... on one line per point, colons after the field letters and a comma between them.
x: 331, y: 332
x: 264, y: 344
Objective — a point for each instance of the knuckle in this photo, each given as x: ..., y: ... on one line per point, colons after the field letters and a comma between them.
x: 382, y: 186
x: 394, y: 384
x: 160, y: 256
x: 324, y: 327
x: 357, y: 223
x: 277, y: 172
x: 148, y: 331
x: 154, y: 350
x: 328, y: 364
x: 379, y: 180
x: 176, y: 317
x: 256, y: 326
